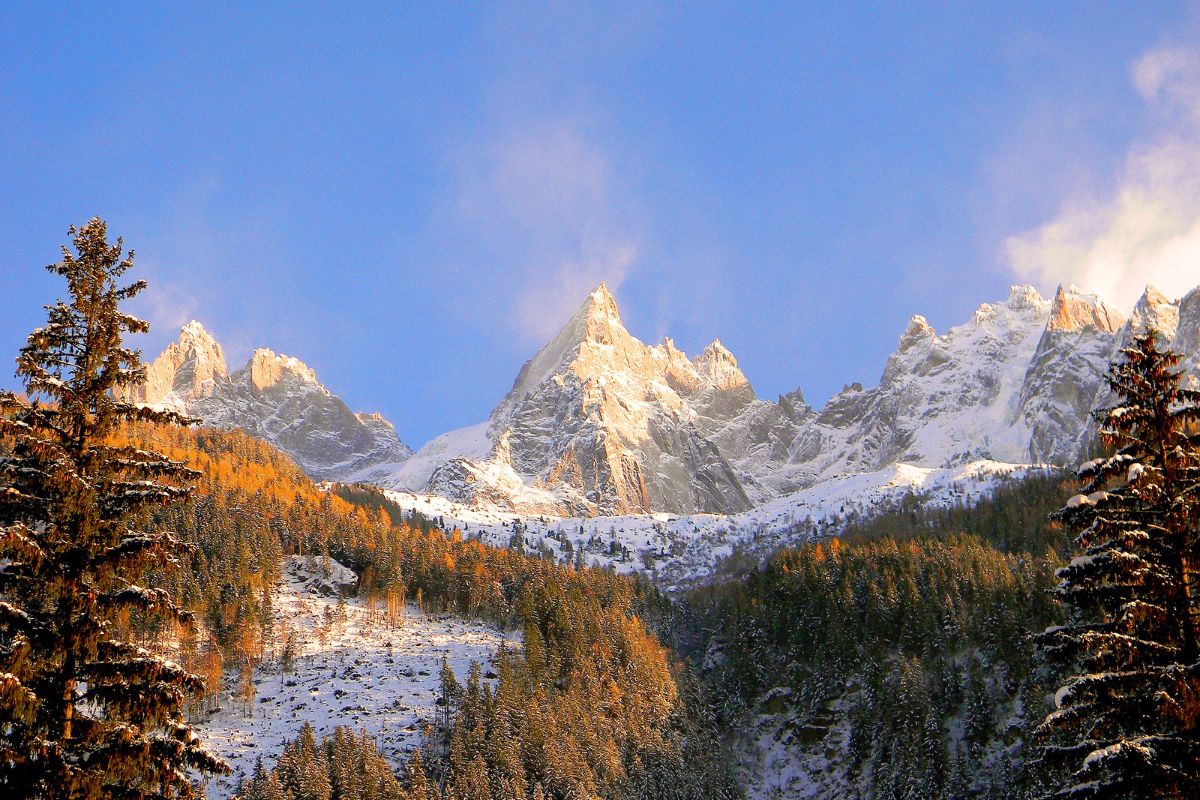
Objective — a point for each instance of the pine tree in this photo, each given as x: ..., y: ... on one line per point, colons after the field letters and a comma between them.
x: 83, y: 712
x: 419, y: 787
x: 1128, y: 716
x: 302, y: 767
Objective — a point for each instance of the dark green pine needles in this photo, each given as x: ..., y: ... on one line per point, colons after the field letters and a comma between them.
x: 1127, y: 719
x: 85, y: 713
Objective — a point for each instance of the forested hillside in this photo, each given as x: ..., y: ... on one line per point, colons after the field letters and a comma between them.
x: 894, y: 661
x: 589, y: 707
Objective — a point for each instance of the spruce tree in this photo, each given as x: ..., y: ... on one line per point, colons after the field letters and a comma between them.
x: 1127, y: 719
x: 84, y: 713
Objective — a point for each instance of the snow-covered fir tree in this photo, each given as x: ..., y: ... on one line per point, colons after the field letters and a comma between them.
x: 1127, y: 721
x: 84, y: 713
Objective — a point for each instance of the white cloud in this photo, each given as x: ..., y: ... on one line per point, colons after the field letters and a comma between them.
x: 166, y: 304
x: 1146, y: 228
x: 553, y: 218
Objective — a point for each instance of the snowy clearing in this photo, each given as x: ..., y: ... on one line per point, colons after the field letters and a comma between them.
x: 353, y: 672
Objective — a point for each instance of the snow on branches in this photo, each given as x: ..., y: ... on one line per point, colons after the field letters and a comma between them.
x: 1127, y: 714
x: 84, y: 713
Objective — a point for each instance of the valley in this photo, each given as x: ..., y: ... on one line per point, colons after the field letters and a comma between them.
x: 593, y: 401
x: 635, y: 579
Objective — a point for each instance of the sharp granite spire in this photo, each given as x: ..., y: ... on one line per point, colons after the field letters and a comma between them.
x: 275, y: 397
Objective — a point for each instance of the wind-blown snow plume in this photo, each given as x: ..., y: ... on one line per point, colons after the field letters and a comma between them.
x: 546, y: 198
x: 1148, y: 229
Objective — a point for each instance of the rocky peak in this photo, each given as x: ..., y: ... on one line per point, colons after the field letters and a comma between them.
x: 1066, y: 375
x: 1073, y: 310
x: 1155, y: 310
x: 195, y: 344
x: 266, y: 369
x: 194, y: 338
x: 718, y: 367
x: 677, y: 368
x: 601, y: 320
x: 1151, y: 297
x: 301, y: 417
x: 673, y: 353
x: 1023, y: 296
x: 592, y: 343
x: 917, y: 331
x: 187, y: 369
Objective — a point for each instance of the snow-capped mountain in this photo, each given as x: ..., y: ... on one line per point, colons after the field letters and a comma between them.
x: 599, y: 423
x: 274, y: 397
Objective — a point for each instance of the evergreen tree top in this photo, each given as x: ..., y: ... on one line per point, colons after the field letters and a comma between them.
x: 85, y: 713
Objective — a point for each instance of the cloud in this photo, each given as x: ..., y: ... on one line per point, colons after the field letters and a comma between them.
x: 1145, y: 229
x: 550, y: 217
x: 167, y: 304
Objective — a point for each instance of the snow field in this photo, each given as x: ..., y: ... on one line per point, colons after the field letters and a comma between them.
x: 354, y: 672
x: 677, y: 551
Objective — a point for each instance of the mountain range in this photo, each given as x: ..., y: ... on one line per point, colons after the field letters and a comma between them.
x: 273, y: 397
x: 598, y: 423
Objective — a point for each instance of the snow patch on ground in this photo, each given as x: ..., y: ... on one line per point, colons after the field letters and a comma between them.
x: 780, y: 757
x: 364, y: 674
x: 678, y: 550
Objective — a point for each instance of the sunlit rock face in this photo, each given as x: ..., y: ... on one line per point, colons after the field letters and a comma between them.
x: 600, y: 423
x: 1066, y: 374
x: 187, y: 369
x: 608, y: 425
x: 274, y: 397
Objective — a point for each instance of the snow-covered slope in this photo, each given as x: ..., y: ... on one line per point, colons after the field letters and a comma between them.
x: 680, y: 550
x: 274, y: 397
x: 357, y: 671
x: 599, y: 424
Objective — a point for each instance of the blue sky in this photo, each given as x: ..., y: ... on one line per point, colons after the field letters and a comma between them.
x: 411, y: 198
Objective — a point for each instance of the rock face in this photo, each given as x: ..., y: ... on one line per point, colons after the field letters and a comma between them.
x: 188, y: 368
x: 274, y: 397
x: 1187, y: 335
x: 599, y: 423
x: 1066, y: 374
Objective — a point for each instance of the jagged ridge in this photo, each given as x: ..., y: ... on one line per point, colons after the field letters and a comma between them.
x: 275, y: 397
x: 599, y: 423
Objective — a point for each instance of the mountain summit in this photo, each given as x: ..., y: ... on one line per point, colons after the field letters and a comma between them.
x: 275, y: 397
x: 599, y: 423
x: 596, y: 423
x: 189, y: 368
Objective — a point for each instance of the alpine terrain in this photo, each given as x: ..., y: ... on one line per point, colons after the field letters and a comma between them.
x: 599, y: 423
x: 274, y: 397
x: 636, y: 453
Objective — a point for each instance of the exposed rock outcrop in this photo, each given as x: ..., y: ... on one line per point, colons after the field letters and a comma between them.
x: 274, y: 397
